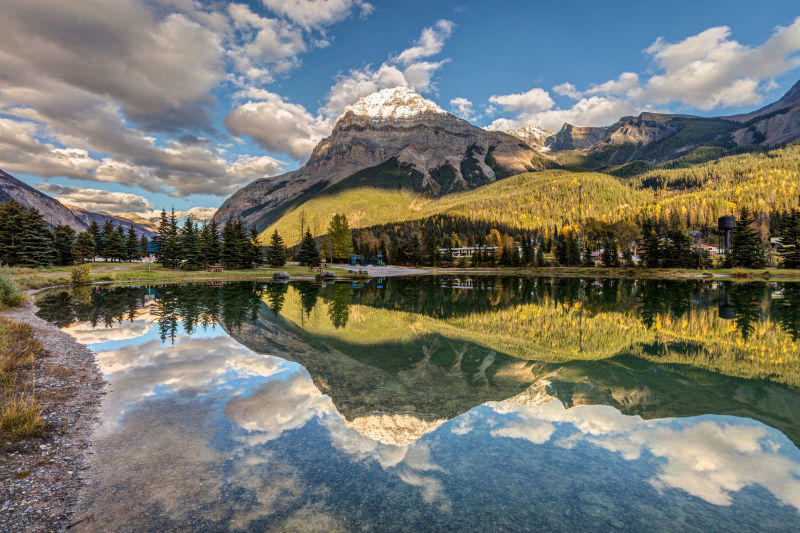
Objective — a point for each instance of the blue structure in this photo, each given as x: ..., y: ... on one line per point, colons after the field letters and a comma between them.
x: 359, y: 260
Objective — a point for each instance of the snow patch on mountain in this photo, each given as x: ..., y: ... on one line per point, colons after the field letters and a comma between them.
x: 532, y: 135
x: 398, y: 102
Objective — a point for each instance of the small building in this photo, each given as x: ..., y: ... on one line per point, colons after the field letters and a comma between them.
x: 467, y: 251
x: 214, y: 268
x: 708, y: 248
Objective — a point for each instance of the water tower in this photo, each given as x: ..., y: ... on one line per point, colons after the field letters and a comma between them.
x: 726, y: 224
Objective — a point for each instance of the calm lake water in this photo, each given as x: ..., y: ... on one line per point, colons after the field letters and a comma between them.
x: 444, y: 404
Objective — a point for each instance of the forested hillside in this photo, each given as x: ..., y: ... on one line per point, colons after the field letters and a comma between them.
x: 767, y: 183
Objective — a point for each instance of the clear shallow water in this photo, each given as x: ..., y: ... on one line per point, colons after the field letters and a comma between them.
x: 443, y: 404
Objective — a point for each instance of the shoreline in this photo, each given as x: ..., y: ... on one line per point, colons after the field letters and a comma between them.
x: 117, y: 273
x: 42, y: 477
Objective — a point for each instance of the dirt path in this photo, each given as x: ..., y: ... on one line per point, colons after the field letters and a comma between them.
x: 40, y: 478
x: 384, y: 271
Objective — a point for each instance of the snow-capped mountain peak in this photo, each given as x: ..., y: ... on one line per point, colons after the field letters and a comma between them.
x: 397, y: 102
x: 533, y: 135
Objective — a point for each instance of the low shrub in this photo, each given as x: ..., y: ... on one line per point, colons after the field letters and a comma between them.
x: 10, y: 296
x: 79, y: 275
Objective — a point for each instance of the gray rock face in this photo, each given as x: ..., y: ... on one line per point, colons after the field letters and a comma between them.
x: 54, y: 212
x: 394, y: 123
x: 773, y: 125
x: 571, y: 137
x: 647, y: 128
x: 534, y: 136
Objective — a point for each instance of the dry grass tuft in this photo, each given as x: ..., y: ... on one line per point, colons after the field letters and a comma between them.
x: 21, y: 418
x: 20, y: 413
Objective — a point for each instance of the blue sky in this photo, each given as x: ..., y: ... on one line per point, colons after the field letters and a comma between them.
x: 147, y: 105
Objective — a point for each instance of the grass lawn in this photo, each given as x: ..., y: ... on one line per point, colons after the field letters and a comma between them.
x: 36, y: 278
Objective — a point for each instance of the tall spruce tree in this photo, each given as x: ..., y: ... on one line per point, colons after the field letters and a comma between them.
x: 144, y: 246
x: 651, y: 245
x: 610, y: 255
x: 276, y: 253
x: 63, y: 240
x: 232, y: 240
x: 115, y: 248
x: 166, y: 239
x: 677, y: 250
x: 309, y: 253
x: 83, y: 249
x: 746, y: 248
x: 132, y: 245
x: 10, y: 222
x: 97, y: 234
x: 254, y: 246
x: 103, y: 248
x: 189, y: 245
x: 790, y: 240
x: 36, y: 247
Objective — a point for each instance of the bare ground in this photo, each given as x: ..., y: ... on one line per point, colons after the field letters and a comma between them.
x: 40, y: 478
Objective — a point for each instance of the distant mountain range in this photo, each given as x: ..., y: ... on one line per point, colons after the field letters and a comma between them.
x: 55, y: 213
x: 397, y: 139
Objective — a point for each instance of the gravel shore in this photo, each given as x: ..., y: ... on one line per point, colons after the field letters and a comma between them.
x: 40, y: 479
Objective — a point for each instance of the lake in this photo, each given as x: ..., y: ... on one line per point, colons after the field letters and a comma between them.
x: 443, y: 404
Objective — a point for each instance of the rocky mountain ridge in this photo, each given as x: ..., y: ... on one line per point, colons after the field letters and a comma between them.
x: 771, y: 126
x: 55, y: 213
x: 443, y: 152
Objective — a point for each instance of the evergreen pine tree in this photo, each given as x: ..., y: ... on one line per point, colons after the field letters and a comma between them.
x: 231, y: 245
x: 790, y: 240
x: 104, y: 248
x: 10, y: 222
x: 35, y: 240
x: 540, y: 256
x: 63, y: 240
x: 677, y: 249
x: 114, y: 242
x: 560, y: 252
x: 309, y: 253
x: 172, y: 244
x: 276, y: 253
x: 746, y: 248
x: 254, y: 246
x: 610, y: 255
x: 144, y: 246
x: 189, y: 245
x: 160, y: 239
x: 84, y: 247
x: 447, y: 257
x: 97, y: 235
x: 651, y: 245
x: 573, y: 252
x: 132, y: 245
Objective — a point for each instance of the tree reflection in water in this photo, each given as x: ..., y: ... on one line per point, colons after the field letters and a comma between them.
x: 529, y: 318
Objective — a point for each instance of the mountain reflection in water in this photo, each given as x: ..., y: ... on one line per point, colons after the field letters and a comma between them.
x: 443, y: 403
